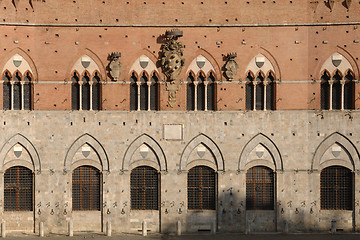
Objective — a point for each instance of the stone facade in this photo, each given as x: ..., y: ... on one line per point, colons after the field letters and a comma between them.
x: 295, y: 42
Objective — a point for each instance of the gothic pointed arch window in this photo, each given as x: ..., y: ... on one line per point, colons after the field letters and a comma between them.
x: 17, y: 84
x: 338, y: 88
x: 144, y: 85
x: 270, y: 92
x: 86, y: 85
x: 249, y: 91
x: 260, y: 188
x: 336, y: 193
x: 201, y: 85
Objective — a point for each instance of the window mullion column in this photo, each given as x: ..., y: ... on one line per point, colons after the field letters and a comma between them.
x: 342, y: 82
x: 206, y: 86
x: 138, y: 95
x: 254, y: 83
x: 195, y: 95
x: 80, y: 94
x: 331, y: 82
x: 12, y: 95
x: 91, y: 93
x: 22, y: 95
x: 148, y: 86
x: 265, y: 98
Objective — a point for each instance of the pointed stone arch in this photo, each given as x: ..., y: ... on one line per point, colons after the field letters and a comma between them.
x: 101, y: 68
x: 210, y: 145
x: 94, y: 144
x: 25, y: 56
x: 24, y: 142
x: 152, y: 144
x: 216, y: 69
x: 345, y: 144
x: 269, y: 145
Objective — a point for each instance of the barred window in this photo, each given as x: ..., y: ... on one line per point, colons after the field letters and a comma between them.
x: 260, y: 188
x: 144, y: 184
x: 18, y: 189
x: 336, y: 185
x: 86, y: 189
x: 202, y: 188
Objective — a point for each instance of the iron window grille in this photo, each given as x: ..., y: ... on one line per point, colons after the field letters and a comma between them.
x: 18, y: 189
x: 144, y: 185
x: 202, y: 188
x: 86, y: 189
x: 260, y: 188
x: 336, y: 185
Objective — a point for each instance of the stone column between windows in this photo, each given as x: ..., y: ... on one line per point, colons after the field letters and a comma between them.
x: 195, y: 95
x: 342, y: 82
x: 331, y: 82
x: 22, y: 95
x: 206, y: 86
x: 254, y: 91
x: 138, y: 83
x: 148, y: 85
x: 91, y: 91
x: 12, y: 95
x: 80, y: 94
x: 265, y: 84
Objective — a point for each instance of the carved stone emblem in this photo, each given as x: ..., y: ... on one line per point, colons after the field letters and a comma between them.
x: 172, y: 60
x: 115, y: 65
x: 231, y: 66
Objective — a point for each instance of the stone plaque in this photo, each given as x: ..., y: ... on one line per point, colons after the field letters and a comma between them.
x: 173, y: 131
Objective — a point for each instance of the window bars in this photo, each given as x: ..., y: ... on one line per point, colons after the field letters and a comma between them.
x: 336, y: 185
x: 202, y: 188
x: 86, y: 189
x: 18, y: 189
x: 260, y: 189
x: 144, y: 185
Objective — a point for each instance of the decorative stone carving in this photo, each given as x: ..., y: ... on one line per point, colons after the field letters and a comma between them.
x: 115, y: 65
x: 172, y: 62
x: 231, y: 66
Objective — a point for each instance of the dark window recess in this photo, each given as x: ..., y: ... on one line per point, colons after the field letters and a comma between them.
x: 6, y: 92
x: 349, y: 92
x: 75, y: 96
x: 18, y: 189
x: 86, y: 189
x: 249, y: 93
x: 270, y: 93
x: 190, y: 93
x: 202, y: 188
x: 96, y: 91
x: 154, y: 93
x: 260, y: 93
x: 325, y: 91
x: 211, y: 93
x: 17, y: 95
x: 85, y: 93
x: 336, y: 91
x: 200, y: 93
x: 144, y: 184
x: 260, y: 189
x: 144, y: 93
x: 336, y: 185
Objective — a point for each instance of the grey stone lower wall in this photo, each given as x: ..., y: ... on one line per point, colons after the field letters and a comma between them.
x: 296, y: 145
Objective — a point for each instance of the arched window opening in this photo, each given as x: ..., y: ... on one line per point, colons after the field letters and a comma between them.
x: 200, y: 92
x: 7, y: 96
x: 144, y: 188
x: 86, y: 189
x: 154, y: 93
x: 202, y: 188
x: 190, y: 93
x: 249, y: 92
x: 259, y: 92
x: 325, y: 91
x: 18, y: 189
x: 270, y: 92
x: 85, y: 92
x: 27, y: 92
x: 133, y: 92
x: 336, y: 185
x: 144, y: 93
x: 96, y: 92
x: 16, y: 85
x: 75, y: 92
x: 260, y: 188
x: 210, y: 92
x: 349, y: 91
x: 336, y: 91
